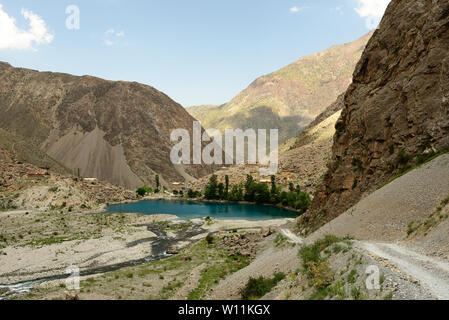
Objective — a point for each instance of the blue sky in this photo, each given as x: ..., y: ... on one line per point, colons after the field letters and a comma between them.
x: 196, y: 51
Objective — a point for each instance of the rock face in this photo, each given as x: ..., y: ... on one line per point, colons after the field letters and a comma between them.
x: 395, y: 111
x: 290, y: 98
x: 114, y: 131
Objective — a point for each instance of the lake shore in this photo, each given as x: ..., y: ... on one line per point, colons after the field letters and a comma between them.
x: 43, y: 244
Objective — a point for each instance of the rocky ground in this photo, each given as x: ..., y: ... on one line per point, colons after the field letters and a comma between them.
x: 28, y: 187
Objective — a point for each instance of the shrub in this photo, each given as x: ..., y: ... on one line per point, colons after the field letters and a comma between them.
x: 403, y: 158
x: 258, y: 287
x: 320, y: 274
x: 210, y: 239
x: 312, y: 253
x: 143, y: 191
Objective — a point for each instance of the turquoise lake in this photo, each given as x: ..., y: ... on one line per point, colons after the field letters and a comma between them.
x: 187, y: 210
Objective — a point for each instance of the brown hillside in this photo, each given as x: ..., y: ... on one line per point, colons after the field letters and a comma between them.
x: 290, y: 98
x: 115, y: 131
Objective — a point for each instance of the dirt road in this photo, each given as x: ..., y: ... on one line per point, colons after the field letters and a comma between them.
x: 432, y: 273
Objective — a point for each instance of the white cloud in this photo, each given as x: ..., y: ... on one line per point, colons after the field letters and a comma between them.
x: 111, y: 37
x: 297, y: 9
x: 11, y: 37
x: 339, y: 10
x: 372, y: 11
x: 294, y: 9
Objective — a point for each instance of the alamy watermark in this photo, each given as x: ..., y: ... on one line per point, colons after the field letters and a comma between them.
x: 372, y: 281
x: 230, y: 149
x: 73, y: 281
x: 73, y: 20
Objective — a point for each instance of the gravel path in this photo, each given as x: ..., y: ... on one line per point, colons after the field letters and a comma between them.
x: 291, y: 236
x: 432, y: 273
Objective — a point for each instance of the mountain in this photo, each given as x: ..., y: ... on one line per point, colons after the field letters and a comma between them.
x: 396, y: 111
x: 302, y: 159
x: 118, y: 132
x: 290, y: 98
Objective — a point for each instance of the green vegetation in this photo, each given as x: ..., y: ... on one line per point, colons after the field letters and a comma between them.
x: 256, y: 288
x: 433, y: 220
x: 47, y: 241
x: 210, y: 239
x: 143, y: 191
x: 212, y: 274
x: 317, y: 268
x: 281, y: 241
x: 258, y: 193
x: 193, y: 194
x: 403, y: 159
x: 157, y: 184
x: 353, y: 276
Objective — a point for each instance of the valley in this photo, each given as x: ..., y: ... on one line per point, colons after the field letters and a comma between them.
x: 358, y: 209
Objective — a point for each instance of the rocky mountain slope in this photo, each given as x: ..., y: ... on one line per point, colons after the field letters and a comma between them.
x: 115, y: 131
x: 290, y: 98
x: 396, y: 111
x: 302, y: 159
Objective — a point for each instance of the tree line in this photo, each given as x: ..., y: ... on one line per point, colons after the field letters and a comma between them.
x: 252, y: 191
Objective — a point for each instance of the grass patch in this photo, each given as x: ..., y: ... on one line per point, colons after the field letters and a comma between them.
x: 212, y: 274
x: 353, y: 276
x: 47, y: 241
x: 433, y: 220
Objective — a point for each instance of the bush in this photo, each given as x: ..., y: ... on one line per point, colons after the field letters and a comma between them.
x: 320, y: 274
x: 403, y: 158
x: 143, y: 191
x: 193, y: 194
x: 210, y: 239
x: 256, y: 288
x: 312, y: 253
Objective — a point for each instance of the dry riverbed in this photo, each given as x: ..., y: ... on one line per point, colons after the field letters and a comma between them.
x: 112, y: 250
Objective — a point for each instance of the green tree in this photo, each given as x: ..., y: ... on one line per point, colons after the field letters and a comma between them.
x: 211, y: 191
x: 261, y: 193
x: 249, y: 188
x: 157, y: 184
x: 226, y: 187
x: 143, y: 191
x: 236, y: 193
x: 291, y: 187
x: 273, y: 185
x: 221, y: 191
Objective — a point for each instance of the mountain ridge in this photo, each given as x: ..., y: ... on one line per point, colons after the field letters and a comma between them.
x: 130, y: 123
x: 289, y: 98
